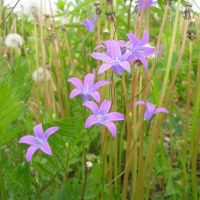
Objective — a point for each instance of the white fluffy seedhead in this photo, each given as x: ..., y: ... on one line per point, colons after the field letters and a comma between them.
x: 40, y: 73
x: 14, y: 41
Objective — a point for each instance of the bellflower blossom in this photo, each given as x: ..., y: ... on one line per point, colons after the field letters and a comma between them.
x: 101, y: 116
x: 150, y: 109
x: 89, y: 24
x: 144, y: 3
x: 87, y: 89
x: 113, y: 59
x: 139, y: 49
x: 39, y: 141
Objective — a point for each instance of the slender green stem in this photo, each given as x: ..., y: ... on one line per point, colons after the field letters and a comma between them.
x: 2, y: 188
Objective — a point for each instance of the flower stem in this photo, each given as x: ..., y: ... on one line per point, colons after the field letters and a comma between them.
x: 3, y: 195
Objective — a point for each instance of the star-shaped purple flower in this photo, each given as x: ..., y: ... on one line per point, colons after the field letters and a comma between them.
x: 39, y: 141
x: 150, y: 109
x: 89, y: 24
x: 145, y: 3
x: 88, y: 89
x: 113, y: 59
x: 101, y: 116
x: 139, y: 49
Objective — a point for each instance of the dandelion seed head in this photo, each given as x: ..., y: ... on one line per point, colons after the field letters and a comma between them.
x: 14, y: 41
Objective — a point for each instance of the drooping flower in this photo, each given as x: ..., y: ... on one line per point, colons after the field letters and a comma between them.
x: 14, y: 40
x: 87, y: 89
x: 113, y: 59
x: 89, y: 24
x: 39, y: 141
x: 145, y: 4
x: 139, y: 49
x: 40, y: 74
x: 150, y: 109
x: 101, y: 116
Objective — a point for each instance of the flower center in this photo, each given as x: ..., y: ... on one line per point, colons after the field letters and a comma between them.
x: 100, y: 117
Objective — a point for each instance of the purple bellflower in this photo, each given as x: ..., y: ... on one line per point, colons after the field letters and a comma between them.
x: 144, y: 4
x: 113, y: 59
x: 150, y: 109
x: 89, y: 24
x: 101, y: 116
x: 87, y: 89
x: 139, y: 49
x: 39, y: 141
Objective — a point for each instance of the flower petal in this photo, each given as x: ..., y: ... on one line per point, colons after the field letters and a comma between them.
x: 74, y: 93
x: 111, y: 127
x: 125, y: 65
x: 30, y: 151
x: 99, y: 84
x: 101, y: 56
x: 148, y: 115
x: 143, y: 60
x: 92, y: 106
x: 113, y: 48
x: 28, y: 139
x: 114, y: 116
x: 105, y: 107
x: 134, y: 40
x: 159, y: 110
x: 145, y: 38
x: 92, y: 120
x: 51, y: 131
x: 96, y: 96
x: 46, y: 148
x: 139, y: 103
x: 76, y: 82
x: 104, y: 67
x: 150, y: 107
x: 38, y: 131
x: 89, y: 80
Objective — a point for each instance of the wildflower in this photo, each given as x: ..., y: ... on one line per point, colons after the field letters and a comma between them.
x: 144, y: 4
x: 87, y: 89
x: 113, y: 59
x: 101, y: 116
x: 14, y: 40
x: 150, y: 109
x: 89, y: 164
x: 89, y: 24
x: 39, y: 141
x: 139, y: 49
x: 40, y: 74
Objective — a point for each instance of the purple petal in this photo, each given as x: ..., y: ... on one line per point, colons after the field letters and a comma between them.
x: 111, y: 127
x: 114, y: 116
x: 101, y: 56
x: 96, y: 96
x: 148, y: 51
x: 76, y: 82
x: 114, y: 48
x: 28, y: 139
x: 91, y: 121
x: 139, y: 103
x: 145, y: 38
x: 46, y: 148
x: 99, y: 84
x: 89, y: 80
x: 89, y: 24
x: 105, y: 107
x: 92, y: 106
x: 134, y: 40
x: 158, y: 110
x: 51, y: 131
x: 104, y: 67
x: 38, y: 131
x: 30, y: 151
x: 143, y: 60
x: 74, y: 93
x: 125, y: 65
x: 150, y: 107
x: 148, y: 115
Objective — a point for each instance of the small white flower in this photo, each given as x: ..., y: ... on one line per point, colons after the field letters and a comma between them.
x: 14, y: 40
x: 89, y: 164
x: 39, y: 74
